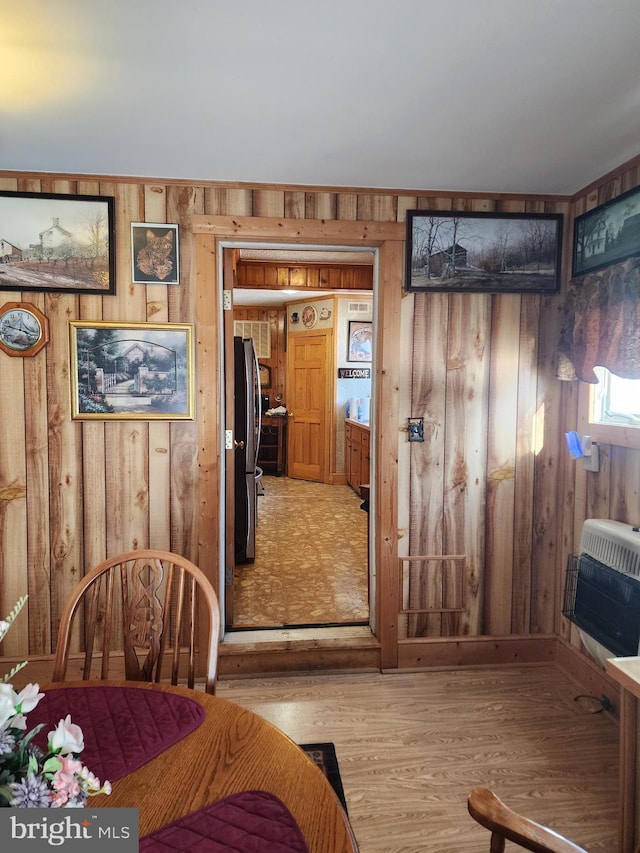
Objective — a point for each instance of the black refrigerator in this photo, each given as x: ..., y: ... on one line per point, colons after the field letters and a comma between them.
x: 247, y: 413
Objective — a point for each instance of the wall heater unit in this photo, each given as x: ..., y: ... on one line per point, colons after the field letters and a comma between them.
x: 602, y: 589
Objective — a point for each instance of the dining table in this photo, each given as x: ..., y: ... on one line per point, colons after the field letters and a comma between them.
x: 204, y: 773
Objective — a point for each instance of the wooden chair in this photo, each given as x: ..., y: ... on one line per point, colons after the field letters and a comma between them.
x: 505, y: 825
x: 127, y: 590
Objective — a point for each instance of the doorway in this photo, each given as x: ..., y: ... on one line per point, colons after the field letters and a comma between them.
x: 212, y: 233
x: 311, y: 562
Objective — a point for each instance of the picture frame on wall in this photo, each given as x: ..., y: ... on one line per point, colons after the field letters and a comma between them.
x: 57, y: 242
x: 483, y: 252
x: 264, y: 372
x: 131, y: 371
x: 608, y: 234
x: 155, y: 253
x: 360, y: 344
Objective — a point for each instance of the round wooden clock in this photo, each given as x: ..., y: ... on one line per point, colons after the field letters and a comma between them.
x: 24, y: 330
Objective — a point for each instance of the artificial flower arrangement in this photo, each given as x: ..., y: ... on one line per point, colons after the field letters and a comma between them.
x: 29, y: 777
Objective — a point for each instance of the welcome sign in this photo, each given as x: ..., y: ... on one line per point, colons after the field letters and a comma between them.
x: 354, y: 373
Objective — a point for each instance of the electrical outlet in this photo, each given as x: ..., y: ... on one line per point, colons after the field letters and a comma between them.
x: 591, y: 457
x: 606, y: 703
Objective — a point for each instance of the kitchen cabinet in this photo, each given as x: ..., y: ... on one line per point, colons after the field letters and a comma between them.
x: 357, y: 450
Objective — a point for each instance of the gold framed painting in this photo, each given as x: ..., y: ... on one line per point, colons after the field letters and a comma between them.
x: 131, y: 371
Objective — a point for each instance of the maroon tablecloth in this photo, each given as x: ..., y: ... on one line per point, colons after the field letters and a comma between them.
x: 123, y: 727
x: 249, y: 822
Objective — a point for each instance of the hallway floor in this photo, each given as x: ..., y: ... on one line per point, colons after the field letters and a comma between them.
x: 311, y: 558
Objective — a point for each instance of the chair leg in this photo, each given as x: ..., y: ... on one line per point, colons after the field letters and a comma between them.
x: 497, y: 843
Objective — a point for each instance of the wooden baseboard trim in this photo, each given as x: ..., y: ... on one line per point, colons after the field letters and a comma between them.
x: 363, y: 654
x: 441, y: 653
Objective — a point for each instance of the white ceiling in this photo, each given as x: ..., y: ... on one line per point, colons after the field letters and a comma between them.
x: 532, y: 96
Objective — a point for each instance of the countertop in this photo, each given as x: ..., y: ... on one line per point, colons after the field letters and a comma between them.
x: 626, y: 671
x: 363, y: 424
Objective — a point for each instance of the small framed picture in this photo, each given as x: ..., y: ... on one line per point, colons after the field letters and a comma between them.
x: 264, y: 371
x: 154, y: 253
x: 360, y: 341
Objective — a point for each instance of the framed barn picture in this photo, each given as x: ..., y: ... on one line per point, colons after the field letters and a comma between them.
x: 55, y: 242
x: 483, y: 252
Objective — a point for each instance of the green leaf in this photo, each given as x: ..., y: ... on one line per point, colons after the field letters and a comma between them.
x: 26, y: 740
x: 52, y: 765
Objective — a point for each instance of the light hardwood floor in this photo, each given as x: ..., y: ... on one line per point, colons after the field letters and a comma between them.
x: 412, y: 745
x: 311, y: 558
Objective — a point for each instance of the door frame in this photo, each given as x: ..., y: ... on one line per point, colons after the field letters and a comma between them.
x: 211, y: 235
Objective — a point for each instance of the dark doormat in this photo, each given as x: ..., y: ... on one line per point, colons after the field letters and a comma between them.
x: 324, y: 756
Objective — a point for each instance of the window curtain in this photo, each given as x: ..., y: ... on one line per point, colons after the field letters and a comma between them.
x: 601, y: 324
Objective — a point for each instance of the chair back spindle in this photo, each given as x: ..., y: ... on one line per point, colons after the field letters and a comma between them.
x: 158, y: 605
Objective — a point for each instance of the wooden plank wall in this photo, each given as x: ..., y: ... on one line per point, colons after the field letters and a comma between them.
x: 614, y: 491
x: 492, y: 480
x: 484, y: 484
x: 276, y: 317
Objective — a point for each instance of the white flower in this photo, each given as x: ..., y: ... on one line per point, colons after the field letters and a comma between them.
x: 8, y: 703
x: 19, y: 722
x: 66, y: 737
x: 4, y: 627
x: 29, y: 697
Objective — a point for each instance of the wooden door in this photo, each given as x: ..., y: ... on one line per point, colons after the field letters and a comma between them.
x: 308, y: 401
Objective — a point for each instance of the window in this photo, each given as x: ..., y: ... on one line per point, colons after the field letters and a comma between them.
x: 616, y: 400
x: 614, y: 410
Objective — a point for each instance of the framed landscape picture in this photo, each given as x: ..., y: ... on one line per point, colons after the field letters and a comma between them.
x: 131, y: 371
x: 607, y: 234
x: 483, y: 252
x: 55, y: 242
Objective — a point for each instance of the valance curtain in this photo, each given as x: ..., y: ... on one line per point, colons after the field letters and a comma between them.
x: 601, y: 324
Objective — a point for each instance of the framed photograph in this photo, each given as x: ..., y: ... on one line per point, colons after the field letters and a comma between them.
x: 483, y: 252
x: 264, y: 371
x: 154, y: 253
x: 54, y: 242
x: 360, y: 346
x: 131, y: 371
x: 607, y: 234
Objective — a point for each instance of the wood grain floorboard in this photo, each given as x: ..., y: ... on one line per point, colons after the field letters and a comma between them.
x: 412, y: 745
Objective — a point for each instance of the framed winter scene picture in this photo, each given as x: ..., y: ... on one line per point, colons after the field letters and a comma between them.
x: 483, y: 252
